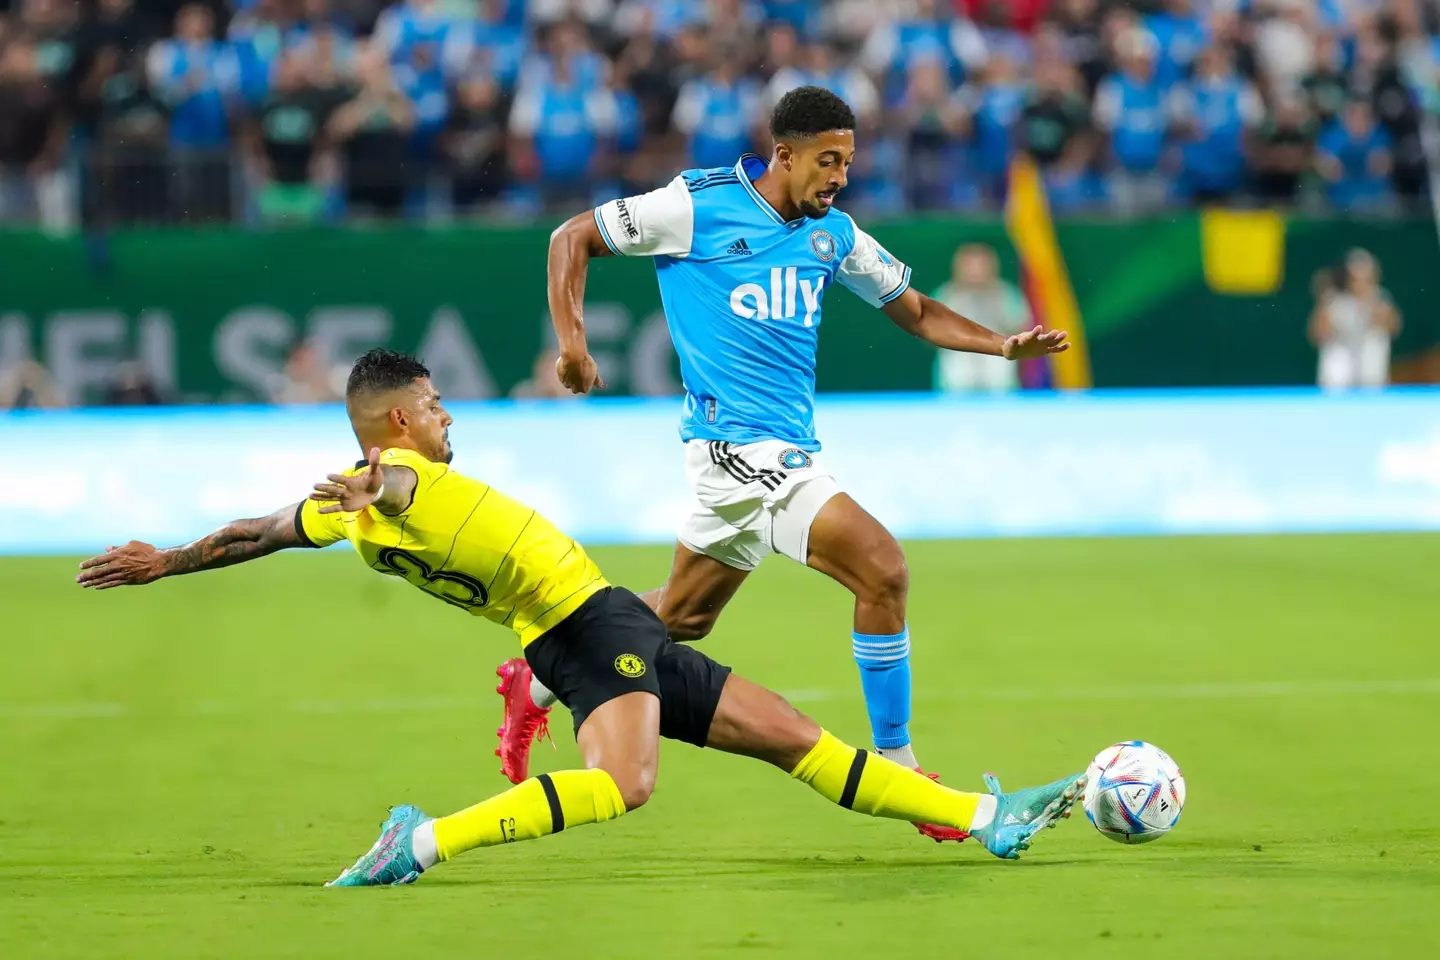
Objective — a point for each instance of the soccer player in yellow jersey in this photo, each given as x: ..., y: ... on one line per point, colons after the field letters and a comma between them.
x: 597, y: 646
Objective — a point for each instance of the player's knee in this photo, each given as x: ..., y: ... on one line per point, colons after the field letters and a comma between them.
x: 635, y: 786
x: 888, y: 580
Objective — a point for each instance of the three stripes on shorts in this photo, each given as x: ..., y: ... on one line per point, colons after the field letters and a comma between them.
x: 723, y: 455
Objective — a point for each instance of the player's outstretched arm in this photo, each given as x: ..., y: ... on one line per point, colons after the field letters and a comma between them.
x: 932, y: 321
x: 138, y: 563
x: 572, y: 246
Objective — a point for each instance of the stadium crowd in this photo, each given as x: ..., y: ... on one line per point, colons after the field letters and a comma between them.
x: 143, y: 110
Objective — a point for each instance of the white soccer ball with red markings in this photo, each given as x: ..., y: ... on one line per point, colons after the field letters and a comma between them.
x: 1135, y: 793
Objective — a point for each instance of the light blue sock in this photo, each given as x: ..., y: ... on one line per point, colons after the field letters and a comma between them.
x: 884, y: 661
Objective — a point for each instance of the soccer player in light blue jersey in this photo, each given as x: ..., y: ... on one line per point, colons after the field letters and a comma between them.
x: 745, y: 256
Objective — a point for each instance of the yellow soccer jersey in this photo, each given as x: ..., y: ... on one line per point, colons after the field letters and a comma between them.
x: 468, y: 544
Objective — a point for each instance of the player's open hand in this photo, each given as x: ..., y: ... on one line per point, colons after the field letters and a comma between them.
x: 1035, y: 342
x: 133, y: 564
x: 344, y: 494
x: 578, y: 374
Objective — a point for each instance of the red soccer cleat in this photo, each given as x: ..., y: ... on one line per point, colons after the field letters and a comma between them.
x: 933, y: 830
x: 524, y: 722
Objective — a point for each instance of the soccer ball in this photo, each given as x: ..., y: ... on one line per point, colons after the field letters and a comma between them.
x: 1134, y: 793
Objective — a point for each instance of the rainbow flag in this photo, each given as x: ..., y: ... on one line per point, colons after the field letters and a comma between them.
x: 1043, y: 275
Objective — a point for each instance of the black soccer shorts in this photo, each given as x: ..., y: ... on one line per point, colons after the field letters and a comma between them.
x: 614, y: 645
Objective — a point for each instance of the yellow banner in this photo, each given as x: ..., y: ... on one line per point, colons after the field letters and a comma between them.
x: 1047, y: 283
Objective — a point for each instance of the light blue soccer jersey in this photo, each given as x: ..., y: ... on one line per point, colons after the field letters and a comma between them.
x: 742, y: 289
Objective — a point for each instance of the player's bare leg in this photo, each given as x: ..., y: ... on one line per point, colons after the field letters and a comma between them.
x: 690, y: 602
x: 851, y: 547
x: 622, y: 737
x: 755, y: 722
x: 695, y: 593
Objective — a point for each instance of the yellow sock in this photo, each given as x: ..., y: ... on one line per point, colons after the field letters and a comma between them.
x: 536, y: 808
x: 868, y: 783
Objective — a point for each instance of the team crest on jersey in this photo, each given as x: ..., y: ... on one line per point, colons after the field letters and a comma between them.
x: 824, y: 245
x: 629, y: 665
x: 793, y: 458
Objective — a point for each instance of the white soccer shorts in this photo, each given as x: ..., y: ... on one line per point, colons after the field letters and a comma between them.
x: 752, y: 499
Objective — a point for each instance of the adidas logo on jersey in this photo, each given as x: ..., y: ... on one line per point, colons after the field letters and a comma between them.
x: 739, y: 248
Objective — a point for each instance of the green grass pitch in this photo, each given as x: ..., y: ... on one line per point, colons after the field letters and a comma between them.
x: 185, y: 764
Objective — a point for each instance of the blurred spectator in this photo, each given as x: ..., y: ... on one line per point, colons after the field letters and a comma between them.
x: 198, y: 78
x: 894, y: 47
x: 998, y: 32
x: 544, y: 382
x: 1284, y: 48
x: 258, y: 35
x: 130, y: 155
x: 1353, y: 326
x: 418, y: 73
x: 715, y: 112
x: 410, y: 24
x: 802, y: 16
x: 656, y: 77
x: 993, y: 103
x: 1078, y: 23
x: 667, y: 18
x: 1378, y: 76
x: 34, y: 127
x: 1326, y: 85
x: 934, y: 121
x: 1180, y: 35
x: 1284, y: 149
x: 305, y: 379
x: 1353, y: 157
x: 105, y: 44
x: 1130, y: 108
x: 563, y: 126
x: 1055, y: 113
x: 1215, y: 113
x: 474, y: 141
x: 821, y: 66
x: 26, y: 385
x: 372, y: 129
x: 487, y: 45
x: 284, y: 142
x: 132, y: 387
x: 733, y: 24
x: 782, y: 50
x: 977, y: 291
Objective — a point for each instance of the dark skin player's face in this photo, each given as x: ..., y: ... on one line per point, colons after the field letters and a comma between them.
x: 816, y: 169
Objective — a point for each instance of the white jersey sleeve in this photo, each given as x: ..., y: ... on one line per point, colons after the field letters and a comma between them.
x: 654, y: 224
x: 871, y: 273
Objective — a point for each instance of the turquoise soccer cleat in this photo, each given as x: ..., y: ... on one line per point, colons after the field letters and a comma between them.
x: 390, y: 861
x: 1024, y: 813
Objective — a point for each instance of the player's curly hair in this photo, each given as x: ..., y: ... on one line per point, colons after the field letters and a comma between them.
x: 381, y: 370
x: 807, y: 111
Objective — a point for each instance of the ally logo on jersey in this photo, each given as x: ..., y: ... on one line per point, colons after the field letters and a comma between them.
x: 777, y: 300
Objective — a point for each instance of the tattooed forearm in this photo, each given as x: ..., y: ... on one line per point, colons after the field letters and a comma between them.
x: 235, y: 542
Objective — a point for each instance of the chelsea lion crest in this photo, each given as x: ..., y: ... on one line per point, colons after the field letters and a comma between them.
x: 824, y: 245
x: 794, y: 458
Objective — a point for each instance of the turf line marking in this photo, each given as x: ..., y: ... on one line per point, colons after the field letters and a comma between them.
x: 104, y: 710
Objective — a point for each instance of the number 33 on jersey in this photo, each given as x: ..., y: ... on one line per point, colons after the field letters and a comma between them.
x: 742, y: 290
x: 468, y: 544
